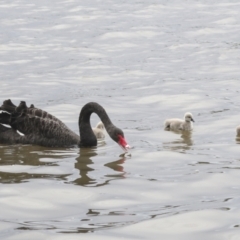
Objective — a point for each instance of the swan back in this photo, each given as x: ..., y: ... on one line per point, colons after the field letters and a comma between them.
x: 37, y: 126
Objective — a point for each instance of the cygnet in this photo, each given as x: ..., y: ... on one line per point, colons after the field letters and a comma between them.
x: 177, y: 124
x: 98, y: 130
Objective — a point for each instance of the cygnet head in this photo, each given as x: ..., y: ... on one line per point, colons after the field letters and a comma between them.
x: 188, y: 117
x: 100, y: 125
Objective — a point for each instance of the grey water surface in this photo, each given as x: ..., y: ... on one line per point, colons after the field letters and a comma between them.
x: 143, y: 61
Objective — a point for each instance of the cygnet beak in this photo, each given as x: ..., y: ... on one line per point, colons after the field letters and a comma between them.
x: 192, y: 120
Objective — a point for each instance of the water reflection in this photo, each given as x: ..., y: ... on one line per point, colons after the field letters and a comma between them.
x: 28, y: 163
x: 34, y: 162
x: 94, y: 219
x: 32, y: 155
x: 182, y: 144
x: 84, y: 162
x: 116, y: 166
x: 237, y: 140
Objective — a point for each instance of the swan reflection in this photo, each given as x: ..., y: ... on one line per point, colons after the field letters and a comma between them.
x: 85, y: 165
x: 237, y: 140
x: 182, y: 144
x: 22, y: 163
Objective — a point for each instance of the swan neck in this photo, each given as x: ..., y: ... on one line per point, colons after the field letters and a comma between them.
x: 87, y: 137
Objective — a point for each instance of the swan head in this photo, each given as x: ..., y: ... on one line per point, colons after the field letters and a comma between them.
x: 122, y: 143
x: 118, y: 136
x: 188, y: 117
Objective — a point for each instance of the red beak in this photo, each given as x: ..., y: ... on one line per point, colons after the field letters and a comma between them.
x: 123, y: 144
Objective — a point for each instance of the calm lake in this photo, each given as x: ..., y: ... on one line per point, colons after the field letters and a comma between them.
x: 143, y: 61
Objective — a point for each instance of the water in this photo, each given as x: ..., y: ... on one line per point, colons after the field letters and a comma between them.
x: 144, y: 61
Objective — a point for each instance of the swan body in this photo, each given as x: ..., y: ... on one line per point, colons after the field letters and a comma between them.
x: 41, y: 128
x: 176, y: 124
x: 98, y: 130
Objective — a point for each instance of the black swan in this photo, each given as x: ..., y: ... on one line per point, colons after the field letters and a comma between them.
x: 41, y: 128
